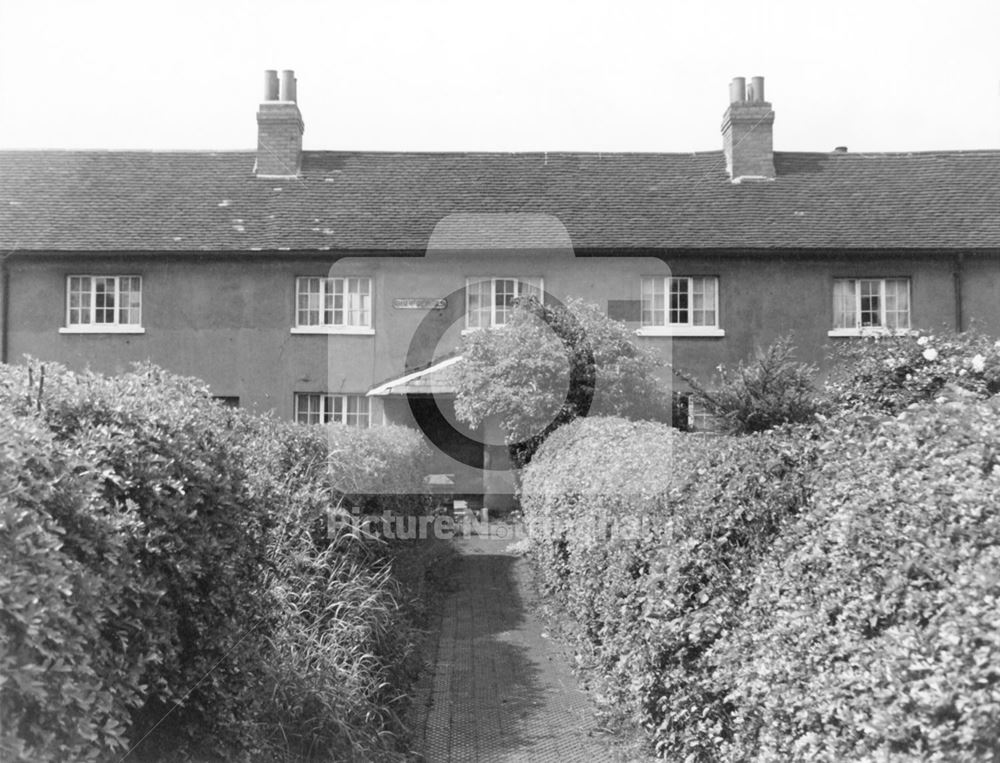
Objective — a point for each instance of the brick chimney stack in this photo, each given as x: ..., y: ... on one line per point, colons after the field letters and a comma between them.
x: 748, y: 132
x: 279, y: 128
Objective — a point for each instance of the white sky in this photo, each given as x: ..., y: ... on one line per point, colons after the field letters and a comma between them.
x: 874, y: 75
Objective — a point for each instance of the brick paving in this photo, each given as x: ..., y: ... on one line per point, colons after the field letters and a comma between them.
x: 500, y: 689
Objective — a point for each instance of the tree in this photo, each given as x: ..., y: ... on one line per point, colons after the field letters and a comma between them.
x: 551, y: 364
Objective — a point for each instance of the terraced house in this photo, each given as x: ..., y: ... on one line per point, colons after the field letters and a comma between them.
x: 334, y: 286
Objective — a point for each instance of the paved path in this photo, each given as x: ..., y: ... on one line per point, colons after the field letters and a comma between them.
x: 500, y: 690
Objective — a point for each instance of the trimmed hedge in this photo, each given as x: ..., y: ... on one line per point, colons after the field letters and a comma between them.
x: 873, y: 630
x: 651, y: 601
x: 63, y: 695
x: 166, y: 571
x: 821, y: 593
x: 184, y: 598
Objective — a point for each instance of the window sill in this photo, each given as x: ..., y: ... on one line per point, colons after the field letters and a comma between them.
x: 693, y: 331
x: 102, y: 329
x: 867, y: 332
x: 466, y: 332
x: 329, y: 330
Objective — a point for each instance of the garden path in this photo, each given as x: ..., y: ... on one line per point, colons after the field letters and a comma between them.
x: 501, y: 689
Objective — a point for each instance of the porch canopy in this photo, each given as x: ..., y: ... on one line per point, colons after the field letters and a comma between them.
x: 437, y: 379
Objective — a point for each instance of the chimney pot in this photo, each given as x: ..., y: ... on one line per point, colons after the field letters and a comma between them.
x: 738, y: 90
x: 270, y: 85
x: 287, y: 85
x: 840, y: 149
x: 757, y: 89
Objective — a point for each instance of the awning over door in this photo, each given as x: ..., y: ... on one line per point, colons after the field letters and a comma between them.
x: 437, y: 379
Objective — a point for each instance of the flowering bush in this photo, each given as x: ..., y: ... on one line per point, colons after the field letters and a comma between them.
x: 891, y: 372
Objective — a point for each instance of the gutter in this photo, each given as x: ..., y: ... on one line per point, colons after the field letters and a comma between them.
x: 957, y: 277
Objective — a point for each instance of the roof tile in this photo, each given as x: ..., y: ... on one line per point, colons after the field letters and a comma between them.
x: 166, y: 201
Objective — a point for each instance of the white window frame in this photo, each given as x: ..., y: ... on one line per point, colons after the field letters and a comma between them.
x: 329, y: 408
x: 322, y: 301
x: 534, y: 283
x: 677, y: 328
x: 91, y: 326
x: 699, y: 419
x: 856, y: 312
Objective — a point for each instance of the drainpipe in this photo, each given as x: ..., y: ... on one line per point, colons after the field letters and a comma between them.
x: 957, y: 276
x: 4, y: 305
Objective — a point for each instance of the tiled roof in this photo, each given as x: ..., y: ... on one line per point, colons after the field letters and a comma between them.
x: 163, y: 201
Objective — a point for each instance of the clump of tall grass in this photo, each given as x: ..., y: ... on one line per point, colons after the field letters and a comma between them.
x: 343, y: 646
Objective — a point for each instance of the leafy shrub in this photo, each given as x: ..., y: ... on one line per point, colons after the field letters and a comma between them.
x: 827, y: 592
x: 171, y: 574
x: 185, y: 604
x: 889, y: 373
x: 873, y: 630
x: 63, y: 695
x: 551, y: 364
x: 649, y: 538
x: 770, y: 390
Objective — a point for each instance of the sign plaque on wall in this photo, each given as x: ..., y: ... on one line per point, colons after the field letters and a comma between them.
x: 419, y: 303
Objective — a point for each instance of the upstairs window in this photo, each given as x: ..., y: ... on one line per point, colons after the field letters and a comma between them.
x: 321, y: 408
x: 490, y: 301
x: 879, y: 304
x: 333, y: 303
x: 103, y: 303
x: 689, y: 302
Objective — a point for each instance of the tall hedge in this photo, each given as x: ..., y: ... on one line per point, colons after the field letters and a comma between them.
x: 63, y: 694
x: 184, y: 609
x: 873, y: 629
x: 829, y: 592
x: 166, y: 577
x: 695, y: 514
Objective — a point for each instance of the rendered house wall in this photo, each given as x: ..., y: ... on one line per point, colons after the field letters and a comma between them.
x: 227, y: 319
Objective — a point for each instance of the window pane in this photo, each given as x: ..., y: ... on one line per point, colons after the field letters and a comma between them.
x: 652, y: 302
x: 357, y: 302
x: 844, y: 312
x: 104, y: 300
x: 327, y: 297
x: 364, y: 317
x: 357, y: 414
x: 871, y: 302
x: 334, y: 408
x: 504, y: 294
x: 679, y: 289
x: 477, y: 307
x: 703, y: 301
x: 336, y: 286
x: 307, y: 409
x: 128, y: 300
x: 79, y: 300
x: 308, y: 302
x: 897, y: 303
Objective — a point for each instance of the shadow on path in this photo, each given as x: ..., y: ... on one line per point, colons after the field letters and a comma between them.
x: 500, y: 690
